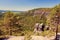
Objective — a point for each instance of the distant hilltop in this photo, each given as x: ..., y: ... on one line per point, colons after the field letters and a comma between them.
x: 2, y: 11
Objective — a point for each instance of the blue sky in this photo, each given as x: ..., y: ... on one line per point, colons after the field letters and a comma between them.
x: 23, y: 5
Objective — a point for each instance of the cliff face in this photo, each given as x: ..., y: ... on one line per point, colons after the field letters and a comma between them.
x: 39, y: 11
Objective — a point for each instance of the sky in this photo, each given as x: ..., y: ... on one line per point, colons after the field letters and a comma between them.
x: 24, y: 5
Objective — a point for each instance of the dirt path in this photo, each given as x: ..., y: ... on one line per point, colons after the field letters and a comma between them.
x: 42, y: 38
x: 16, y: 38
x: 33, y: 38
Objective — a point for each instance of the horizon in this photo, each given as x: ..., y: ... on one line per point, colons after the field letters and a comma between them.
x: 25, y: 5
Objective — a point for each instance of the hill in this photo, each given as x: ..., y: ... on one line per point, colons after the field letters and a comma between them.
x: 23, y: 23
